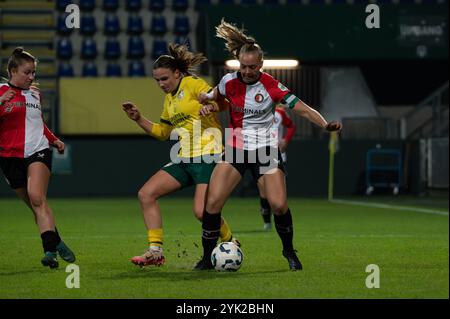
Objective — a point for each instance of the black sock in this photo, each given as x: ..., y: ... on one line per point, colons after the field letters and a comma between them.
x: 211, y: 233
x: 57, y: 235
x: 49, y: 241
x: 265, y: 209
x: 285, y: 229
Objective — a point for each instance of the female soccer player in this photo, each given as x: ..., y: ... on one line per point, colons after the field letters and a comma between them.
x: 25, y: 155
x: 200, y: 143
x: 252, y: 95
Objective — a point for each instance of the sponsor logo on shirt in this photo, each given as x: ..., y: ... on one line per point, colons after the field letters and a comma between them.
x: 179, y: 118
x: 246, y: 111
x: 10, y: 105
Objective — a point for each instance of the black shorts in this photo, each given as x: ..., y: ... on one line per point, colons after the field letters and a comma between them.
x: 259, y: 162
x: 15, y: 169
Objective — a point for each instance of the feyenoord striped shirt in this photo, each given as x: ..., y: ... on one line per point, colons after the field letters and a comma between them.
x: 252, y: 108
x: 22, y: 128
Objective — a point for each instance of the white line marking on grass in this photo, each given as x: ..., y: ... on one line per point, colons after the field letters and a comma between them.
x: 404, y: 208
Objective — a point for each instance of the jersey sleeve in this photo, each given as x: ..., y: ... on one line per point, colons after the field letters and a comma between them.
x: 288, y: 124
x: 161, y: 130
x: 49, y: 135
x: 278, y: 92
x: 221, y: 86
x: 201, y: 86
x: 290, y: 100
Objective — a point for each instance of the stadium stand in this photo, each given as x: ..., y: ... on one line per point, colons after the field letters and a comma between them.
x: 136, y: 68
x: 89, y: 69
x: 113, y: 70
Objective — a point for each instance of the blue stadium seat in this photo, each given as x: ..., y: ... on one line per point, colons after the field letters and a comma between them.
x: 181, y: 26
x: 88, y: 49
x: 135, y: 25
x: 65, y: 69
x: 64, y: 49
x: 157, y: 5
x: 62, y: 4
x: 159, y: 48
x: 199, y: 3
x: 158, y: 25
x: 136, y: 68
x: 180, y: 5
x: 133, y: 5
x: 87, y: 5
x: 112, y: 49
x: 87, y: 25
x: 248, y: 2
x: 113, y: 69
x: 136, y: 49
x: 110, y: 5
x: 89, y: 69
x: 112, y: 25
x: 184, y: 40
x: 61, y: 27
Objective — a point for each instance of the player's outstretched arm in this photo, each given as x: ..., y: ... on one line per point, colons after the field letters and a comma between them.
x: 133, y: 113
x: 315, y: 117
x: 204, y: 97
x: 160, y: 131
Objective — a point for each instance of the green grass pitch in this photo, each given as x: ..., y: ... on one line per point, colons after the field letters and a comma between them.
x: 335, y: 243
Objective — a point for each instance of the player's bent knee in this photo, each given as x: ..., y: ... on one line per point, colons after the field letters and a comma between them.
x: 278, y: 208
x: 214, y: 204
x: 146, y: 197
x: 37, y: 200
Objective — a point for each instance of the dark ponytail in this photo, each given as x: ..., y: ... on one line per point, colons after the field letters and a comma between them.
x: 17, y: 58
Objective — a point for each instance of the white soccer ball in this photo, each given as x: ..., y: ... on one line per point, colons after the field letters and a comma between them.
x: 227, y: 256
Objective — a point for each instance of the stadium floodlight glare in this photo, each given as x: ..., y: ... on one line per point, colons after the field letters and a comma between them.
x: 271, y: 64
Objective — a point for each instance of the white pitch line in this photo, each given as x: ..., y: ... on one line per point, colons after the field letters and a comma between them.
x: 404, y: 208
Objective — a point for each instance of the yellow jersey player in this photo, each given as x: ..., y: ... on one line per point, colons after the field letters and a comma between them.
x: 200, y: 144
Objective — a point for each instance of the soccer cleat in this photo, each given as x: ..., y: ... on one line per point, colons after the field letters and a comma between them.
x: 152, y: 256
x: 65, y: 252
x: 50, y: 260
x: 204, y: 264
x: 294, y: 263
x: 267, y: 226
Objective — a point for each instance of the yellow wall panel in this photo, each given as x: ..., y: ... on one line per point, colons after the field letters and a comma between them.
x: 94, y: 106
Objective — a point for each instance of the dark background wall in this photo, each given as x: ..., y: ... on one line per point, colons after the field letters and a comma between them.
x: 119, y: 166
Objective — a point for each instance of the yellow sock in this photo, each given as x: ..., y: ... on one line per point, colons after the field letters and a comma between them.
x: 225, y: 232
x: 155, y: 237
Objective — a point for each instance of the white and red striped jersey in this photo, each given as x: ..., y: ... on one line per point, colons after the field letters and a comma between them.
x: 22, y: 128
x: 252, y: 108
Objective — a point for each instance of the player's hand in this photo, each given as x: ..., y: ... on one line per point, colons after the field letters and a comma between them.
x: 203, y: 98
x: 282, y: 145
x: 333, y: 126
x: 8, y: 95
x: 208, y: 109
x: 60, y: 146
x: 131, y: 110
